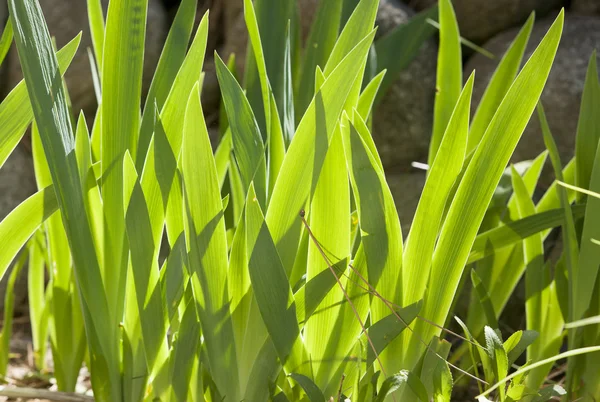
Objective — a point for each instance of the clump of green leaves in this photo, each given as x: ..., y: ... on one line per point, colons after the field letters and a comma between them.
x: 287, y: 276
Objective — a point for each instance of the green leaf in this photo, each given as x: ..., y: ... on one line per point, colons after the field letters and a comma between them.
x: 66, y: 326
x: 270, y: 284
x: 329, y: 219
x: 428, y: 218
x: 37, y: 300
x: 367, y: 96
x: 571, y: 246
x: 183, y: 353
x: 396, y: 50
x: 483, y: 174
x: 173, y: 115
x: 48, y: 99
x: 121, y: 97
x: 497, y: 354
x: 222, y: 157
x: 6, y: 40
x: 384, y: 331
x: 525, y: 339
x: 301, y: 166
x: 276, y: 147
x: 172, y: 278
x: 435, y: 373
x: 501, y: 80
x: 484, y: 299
x: 248, y: 146
x: 309, y: 297
x: 207, y: 242
x: 380, y: 230
x: 549, y: 393
x: 589, y: 253
x: 15, y: 110
x: 536, y: 280
x: 527, y: 368
x: 588, y: 126
x: 144, y: 266
x: 271, y: 24
x: 261, y: 66
x: 513, y: 232
x: 169, y: 63
x: 404, y: 380
x: 356, y: 29
x: 288, y: 111
x: 449, y: 75
x: 7, y: 316
x: 22, y: 222
x: 96, y: 20
x: 312, y: 391
x: 321, y: 39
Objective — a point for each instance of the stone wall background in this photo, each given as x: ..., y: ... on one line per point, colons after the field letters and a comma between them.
x: 402, y: 123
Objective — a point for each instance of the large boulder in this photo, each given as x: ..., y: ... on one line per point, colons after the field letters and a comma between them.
x: 562, y: 95
x: 17, y: 182
x: 65, y: 19
x: 480, y: 20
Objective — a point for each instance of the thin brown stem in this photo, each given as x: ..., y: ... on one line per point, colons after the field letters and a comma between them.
x: 302, y: 213
x: 384, y: 300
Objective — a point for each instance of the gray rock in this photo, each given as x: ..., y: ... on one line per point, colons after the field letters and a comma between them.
x: 17, y: 182
x: 65, y: 19
x: 402, y: 122
x: 562, y: 95
x: 479, y: 20
x: 406, y: 189
x: 586, y: 6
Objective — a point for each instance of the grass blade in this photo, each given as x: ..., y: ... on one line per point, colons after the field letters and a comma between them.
x: 271, y: 287
x: 207, y: 242
x: 9, y: 305
x: 15, y: 110
x: 96, y: 19
x: 358, y: 26
x: 429, y: 215
x: 271, y: 24
x: 38, y: 303
x: 305, y: 155
x: 6, y: 40
x: 123, y: 58
x: 449, y: 75
x: 588, y: 126
x: 248, y: 146
x: 499, y: 84
x: 48, y: 99
x: 380, y: 230
x: 483, y: 173
x: 329, y: 217
x: 169, y: 63
x: 321, y: 40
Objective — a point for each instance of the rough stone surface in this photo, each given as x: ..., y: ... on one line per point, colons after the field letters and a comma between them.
x: 17, y: 182
x: 406, y: 189
x: 585, y: 6
x: 65, y: 19
x: 562, y: 95
x: 479, y: 20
